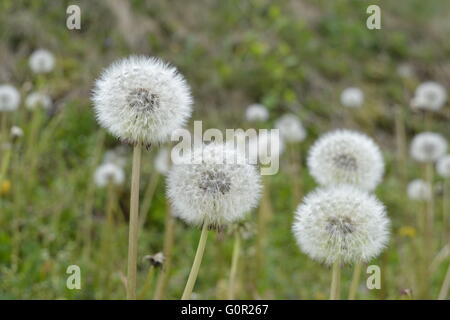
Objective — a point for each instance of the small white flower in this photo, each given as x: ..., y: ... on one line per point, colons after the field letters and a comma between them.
x: 341, y: 222
x: 345, y: 156
x: 428, y: 147
x: 214, y: 185
x: 443, y: 166
x: 429, y: 95
x: 162, y: 161
x: 352, y: 97
x: 291, y: 129
x: 38, y: 99
x: 142, y: 100
x: 16, y: 132
x: 419, y: 190
x: 41, y: 61
x: 9, y: 98
x: 109, y: 173
x: 256, y: 113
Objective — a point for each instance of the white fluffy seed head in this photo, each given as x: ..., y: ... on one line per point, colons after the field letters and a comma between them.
x: 430, y: 96
x: 428, y: 147
x: 291, y: 128
x: 142, y: 100
x: 443, y: 166
x: 162, y: 161
x: 38, y: 100
x: 419, y: 190
x: 205, y: 189
x: 341, y: 222
x: 352, y: 97
x: 9, y: 98
x: 345, y: 156
x: 16, y: 132
x: 256, y: 113
x: 41, y: 61
x: 109, y: 173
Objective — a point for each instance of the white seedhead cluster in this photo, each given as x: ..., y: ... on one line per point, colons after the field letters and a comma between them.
x: 428, y: 147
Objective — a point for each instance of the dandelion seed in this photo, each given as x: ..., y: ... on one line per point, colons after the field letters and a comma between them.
x: 207, y: 188
x: 429, y: 96
x: 38, y: 99
x: 142, y: 100
x: 341, y: 222
x: 345, y: 156
x: 291, y: 128
x: 428, y: 147
x: 443, y: 166
x: 109, y: 173
x: 256, y: 113
x: 419, y: 190
x: 41, y: 61
x: 352, y: 97
x: 16, y: 132
x: 9, y: 98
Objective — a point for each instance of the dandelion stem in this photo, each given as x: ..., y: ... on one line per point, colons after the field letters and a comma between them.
x: 134, y: 224
x: 234, y: 265
x: 335, y: 280
x: 168, y: 247
x: 445, y: 206
x: 355, y: 281
x: 148, y: 283
x: 196, y: 265
x: 445, y: 285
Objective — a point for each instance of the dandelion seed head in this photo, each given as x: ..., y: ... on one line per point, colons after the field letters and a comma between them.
x: 419, y: 190
x: 9, y: 98
x: 291, y: 128
x: 352, y: 97
x: 428, y: 147
x: 38, y: 99
x: 341, y: 222
x: 215, y: 185
x: 142, y: 100
x: 109, y: 173
x: 115, y: 156
x: 256, y: 113
x: 429, y: 95
x: 345, y: 156
x: 443, y: 166
x: 41, y: 61
x: 16, y: 132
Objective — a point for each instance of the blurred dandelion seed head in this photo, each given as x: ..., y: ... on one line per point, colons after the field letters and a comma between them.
x: 430, y: 96
x: 345, y: 156
x: 443, y: 166
x: 341, y: 222
x: 9, y: 98
x: 256, y: 113
x: 142, y: 100
x: 352, y: 97
x: 38, y: 99
x: 419, y: 190
x: 428, y: 147
x: 291, y: 128
x: 41, y: 61
x: 207, y: 189
x: 16, y: 132
x: 109, y: 173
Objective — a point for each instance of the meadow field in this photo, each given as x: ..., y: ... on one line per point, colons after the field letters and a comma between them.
x: 292, y: 57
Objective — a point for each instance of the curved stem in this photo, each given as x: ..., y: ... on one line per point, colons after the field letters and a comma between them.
x: 196, y: 265
x: 335, y: 280
x: 234, y: 264
x: 134, y: 224
x: 355, y: 281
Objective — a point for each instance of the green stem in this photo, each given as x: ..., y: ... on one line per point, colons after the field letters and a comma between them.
x: 445, y: 285
x: 134, y: 223
x: 355, y: 281
x: 234, y: 265
x: 335, y: 280
x: 196, y: 265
